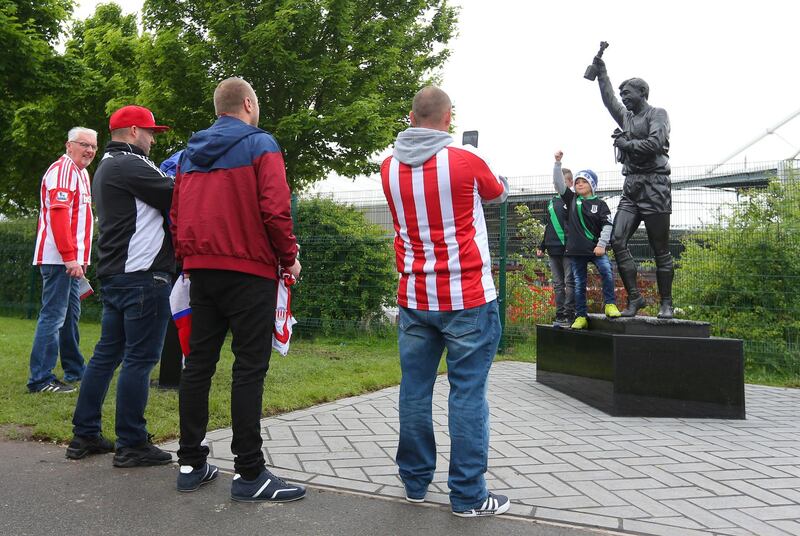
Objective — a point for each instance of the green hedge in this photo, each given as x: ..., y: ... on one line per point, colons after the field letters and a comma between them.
x: 20, y: 281
x: 348, y: 267
x: 742, y: 275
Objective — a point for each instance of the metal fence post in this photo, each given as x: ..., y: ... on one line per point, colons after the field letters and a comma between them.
x: 502, y: 273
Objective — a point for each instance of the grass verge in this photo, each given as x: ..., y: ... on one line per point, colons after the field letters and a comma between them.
x: 315, y: 371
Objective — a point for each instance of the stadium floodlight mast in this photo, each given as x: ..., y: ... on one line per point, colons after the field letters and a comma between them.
x: 760, y: 137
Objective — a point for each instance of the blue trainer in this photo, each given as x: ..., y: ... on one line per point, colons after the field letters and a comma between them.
x: 267, y: 487
x: 190, y: 479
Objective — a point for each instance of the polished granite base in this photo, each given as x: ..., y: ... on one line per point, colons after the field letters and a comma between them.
x: 645, y: 367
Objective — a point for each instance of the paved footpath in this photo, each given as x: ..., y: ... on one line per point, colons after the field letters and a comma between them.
x: 43, y: 494
x: 561, y: 460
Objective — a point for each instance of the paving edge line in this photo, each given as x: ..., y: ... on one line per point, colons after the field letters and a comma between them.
x: 523, y: 519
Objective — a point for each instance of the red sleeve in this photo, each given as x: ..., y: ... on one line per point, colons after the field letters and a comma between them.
x: 275, y: 202
x: 489, y: 186
x: 60, y: 201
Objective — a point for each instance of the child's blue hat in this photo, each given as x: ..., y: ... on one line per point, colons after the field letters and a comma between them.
x: 589, y: 176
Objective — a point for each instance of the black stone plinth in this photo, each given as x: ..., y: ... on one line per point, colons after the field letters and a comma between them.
x: 650, y: 325
x: 644, y: 375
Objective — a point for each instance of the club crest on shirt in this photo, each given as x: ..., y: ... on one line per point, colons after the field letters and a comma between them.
x: 594, y: 209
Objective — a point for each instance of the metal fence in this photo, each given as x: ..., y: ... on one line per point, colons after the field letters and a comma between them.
x: 704, y: 219
x: 705, y: 204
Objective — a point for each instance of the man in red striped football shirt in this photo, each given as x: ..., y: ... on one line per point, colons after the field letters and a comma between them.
x: 63, y: 249
x: 447, y: 300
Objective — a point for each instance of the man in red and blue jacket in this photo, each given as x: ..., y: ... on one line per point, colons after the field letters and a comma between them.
x: 232, y: 227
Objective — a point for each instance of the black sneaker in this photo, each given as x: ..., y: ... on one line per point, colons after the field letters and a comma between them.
x: 267, y: 487
x: 562, y: 322
x: 55, y: 386
x: 81, y: 446
x: 494, y: 505
x: 144, y: 455
x: 190, y: 479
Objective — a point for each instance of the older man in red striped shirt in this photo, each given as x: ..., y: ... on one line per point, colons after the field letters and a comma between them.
x: 63, y: 249
x: 447, y: 300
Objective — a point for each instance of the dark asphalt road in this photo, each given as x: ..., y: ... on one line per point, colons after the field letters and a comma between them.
x: 42, y: 493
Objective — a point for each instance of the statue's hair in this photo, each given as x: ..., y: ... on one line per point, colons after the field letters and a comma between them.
x: 230, y: 94
x: 639, y: 84
x: 430, y: 104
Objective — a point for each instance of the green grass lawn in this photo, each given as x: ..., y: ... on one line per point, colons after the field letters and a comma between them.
x: 315, y: 371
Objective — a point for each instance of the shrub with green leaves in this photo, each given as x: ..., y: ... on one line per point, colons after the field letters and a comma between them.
x: 348, y: 266
x: 17, y: 239
x: 742, y: 273
x: 21, y: 282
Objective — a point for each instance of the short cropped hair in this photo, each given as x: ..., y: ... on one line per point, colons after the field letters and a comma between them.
x: 566, y: 171
x: 430, y: 104
x: 74, y: 132
x: 230, y: 94
x: 639, y: 84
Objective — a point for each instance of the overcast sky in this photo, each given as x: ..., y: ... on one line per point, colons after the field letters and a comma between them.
x: 725, y: 71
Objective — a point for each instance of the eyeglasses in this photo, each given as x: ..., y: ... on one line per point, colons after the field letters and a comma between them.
x: 85, y: 145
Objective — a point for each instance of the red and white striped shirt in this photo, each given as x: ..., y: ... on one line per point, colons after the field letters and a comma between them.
x: 441, y: 243
x: 65, y: 187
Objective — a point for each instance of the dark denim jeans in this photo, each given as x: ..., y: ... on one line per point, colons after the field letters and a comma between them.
x: 57, y: 329
x: 471, y: 337
x: 135, y: 315
x: 580, y: 268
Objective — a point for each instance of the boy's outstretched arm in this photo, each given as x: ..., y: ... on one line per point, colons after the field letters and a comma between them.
x: 558, y: 176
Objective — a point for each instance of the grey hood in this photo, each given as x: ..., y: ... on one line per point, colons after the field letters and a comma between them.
x: 414, y: 146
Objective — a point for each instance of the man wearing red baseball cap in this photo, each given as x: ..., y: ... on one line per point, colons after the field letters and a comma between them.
x: 135, y: 263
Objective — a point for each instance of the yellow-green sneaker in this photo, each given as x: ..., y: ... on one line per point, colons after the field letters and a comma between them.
x: 580, y: 323
x: 612, y: 311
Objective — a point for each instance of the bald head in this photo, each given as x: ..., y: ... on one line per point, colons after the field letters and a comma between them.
x: 235, y: 97
x: 431, y: 109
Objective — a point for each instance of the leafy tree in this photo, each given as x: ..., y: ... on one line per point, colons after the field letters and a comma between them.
x: 334, y: 77
x: 741, y: 274
x: 29, y: 69
x: 81, y: 87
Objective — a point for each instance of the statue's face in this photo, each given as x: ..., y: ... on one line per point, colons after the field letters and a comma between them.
x: 632, y: 98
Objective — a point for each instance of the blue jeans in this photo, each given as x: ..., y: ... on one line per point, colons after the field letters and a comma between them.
x: 579, y: 269
x: 57, y: 329
x: 471, y: 337
x: 135, y: 315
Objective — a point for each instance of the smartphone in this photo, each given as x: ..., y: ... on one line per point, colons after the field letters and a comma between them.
x: 470, y: 137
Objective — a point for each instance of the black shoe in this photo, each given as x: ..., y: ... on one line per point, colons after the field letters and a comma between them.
x: 267, y: 487
x: 666, y: 310
x: 81, y: 446
x: 55, y: 386
x: 141, y: 456
x: 190, y: 479
x: 633, y: 306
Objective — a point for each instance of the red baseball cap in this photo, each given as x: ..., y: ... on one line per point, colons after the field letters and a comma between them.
x: 134, y: 116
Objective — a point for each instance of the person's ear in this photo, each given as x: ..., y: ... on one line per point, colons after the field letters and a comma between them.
x: 412, y: 119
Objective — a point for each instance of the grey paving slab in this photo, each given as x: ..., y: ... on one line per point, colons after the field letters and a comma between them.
x: 561, y: 460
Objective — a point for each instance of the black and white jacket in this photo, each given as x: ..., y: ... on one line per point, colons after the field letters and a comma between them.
x: 132, y: 198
